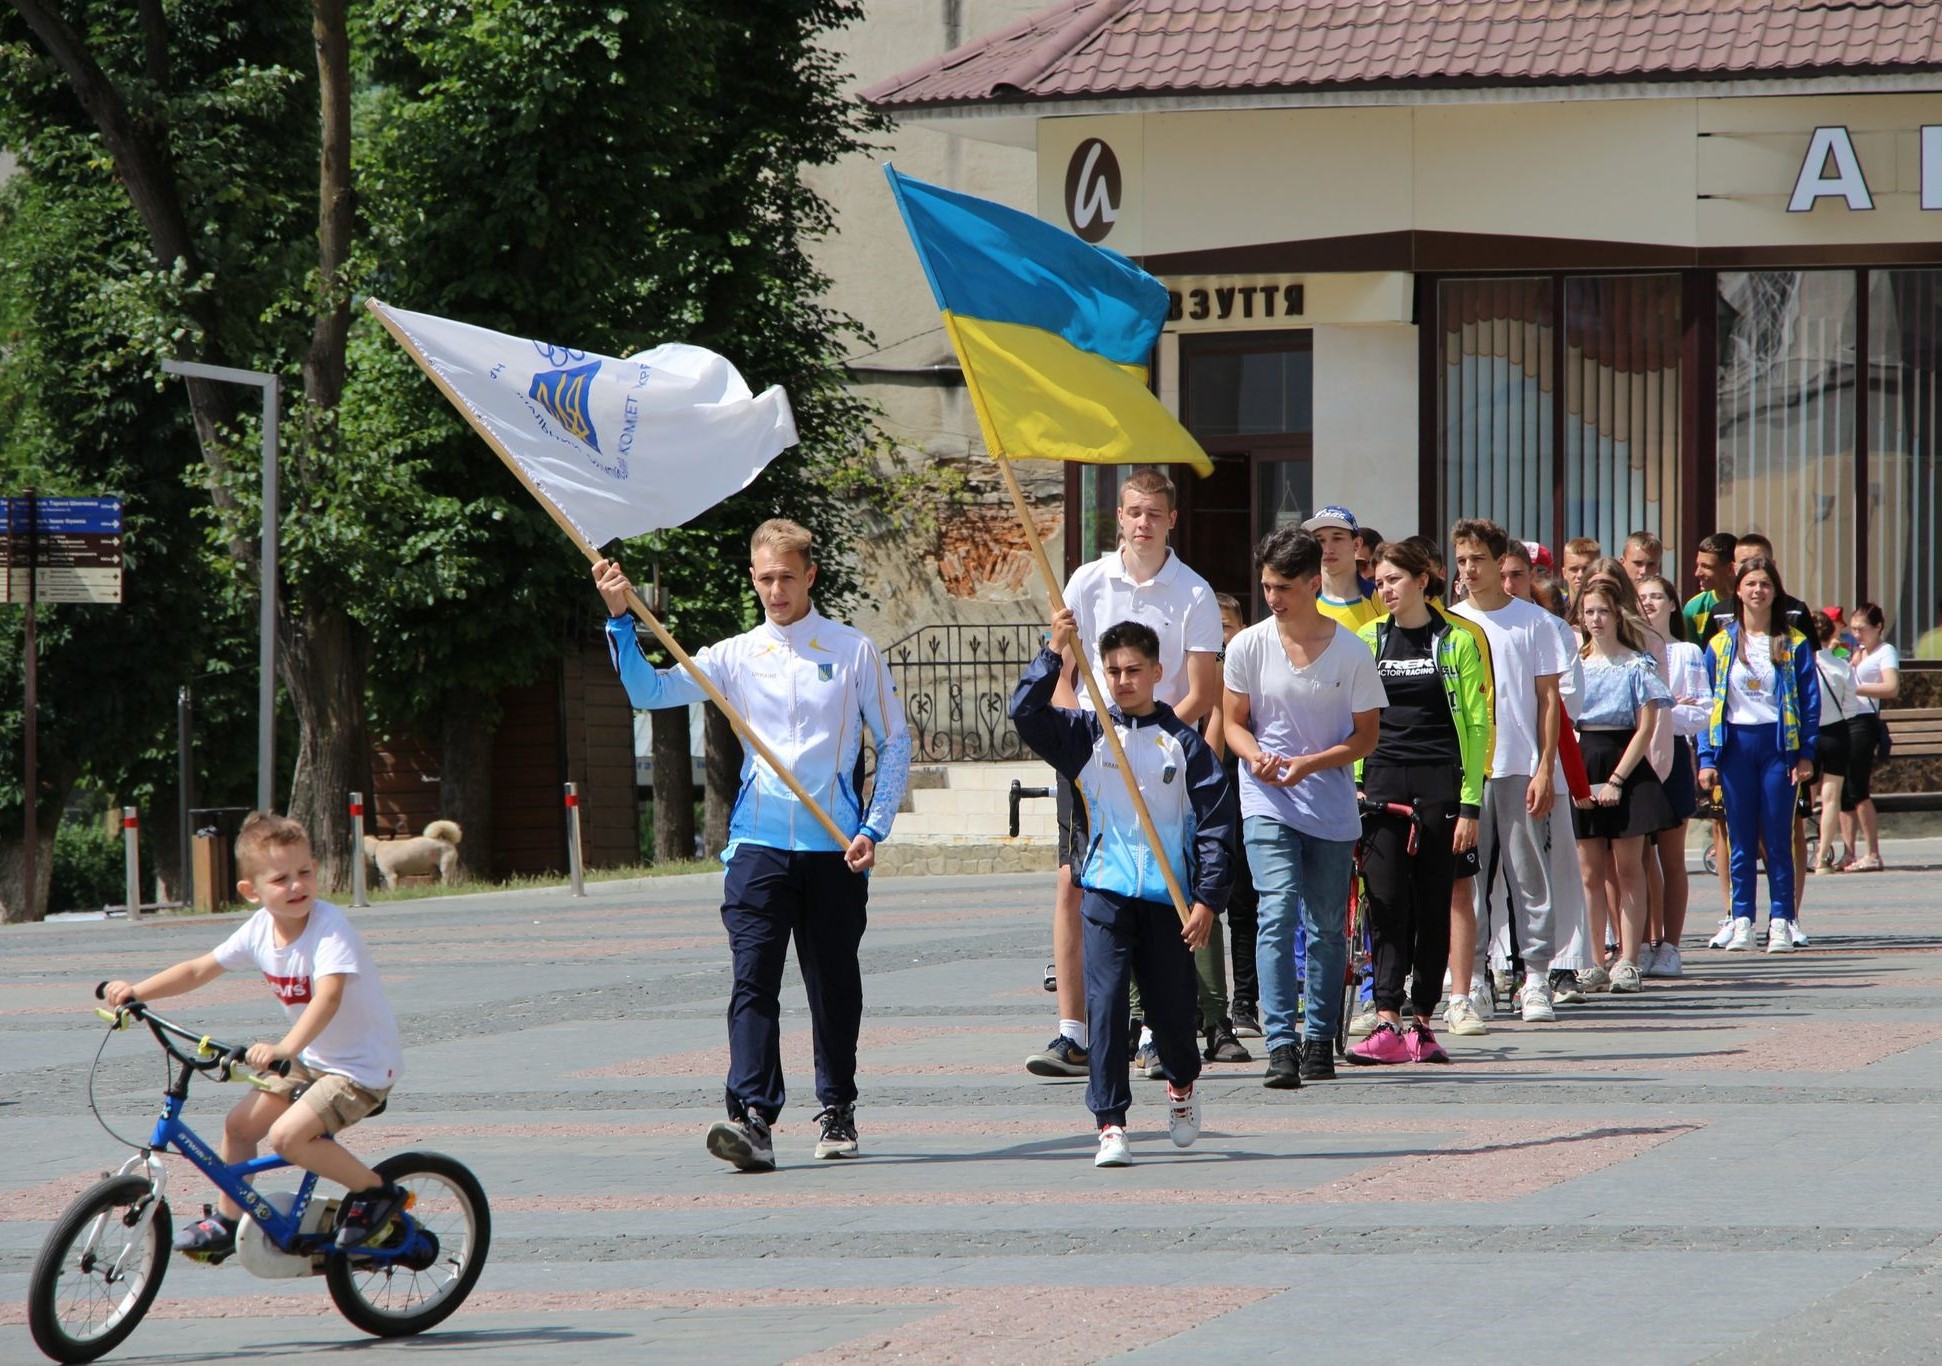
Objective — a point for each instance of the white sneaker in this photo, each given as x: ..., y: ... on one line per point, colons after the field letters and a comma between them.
x: 1667, y: 963
x: 1648, y: 960
x: 1794, y: 929
x: 1363, y: 1024
x: 1625, y: 978
x: 1535, y: 1002
x: 1485, y: 1007
x: 1183, y: 1119
x: 1779, y: 938
x: 1742, y: 936
x: 1113, y: 1151
x: 1594, y: 979
x: 1723, y: 935
x: 1462, y: 1018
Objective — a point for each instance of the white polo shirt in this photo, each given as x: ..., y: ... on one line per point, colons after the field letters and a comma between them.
x: 1176, y: 602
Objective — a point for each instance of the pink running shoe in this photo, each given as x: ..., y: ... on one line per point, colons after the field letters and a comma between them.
x: 1423, y: 1046
x: 1384, y: 1045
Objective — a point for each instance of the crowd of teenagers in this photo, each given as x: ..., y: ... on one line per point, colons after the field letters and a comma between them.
x: 1495, y: 756
x: 1513, y: 752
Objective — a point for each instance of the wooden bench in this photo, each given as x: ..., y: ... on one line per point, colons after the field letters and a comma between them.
x: 1916, y: 733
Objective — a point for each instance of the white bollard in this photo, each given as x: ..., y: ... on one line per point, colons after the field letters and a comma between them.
x: 131, y: 840
x: 573, y: 838
x: 358, y: 897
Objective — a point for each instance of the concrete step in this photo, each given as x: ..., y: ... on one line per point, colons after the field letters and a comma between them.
x: 935, y: 855
x: 1035, y: 824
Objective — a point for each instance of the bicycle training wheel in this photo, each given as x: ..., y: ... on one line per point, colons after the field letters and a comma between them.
x: 98, y: 1271
x: 392, y: 1299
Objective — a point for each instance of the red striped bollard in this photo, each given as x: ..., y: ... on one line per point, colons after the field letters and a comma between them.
x: 358, y: 897
x: 573, y: 838
x: 131, y: 843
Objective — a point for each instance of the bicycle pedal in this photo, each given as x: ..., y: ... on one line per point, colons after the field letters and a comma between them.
x: 207, y: 1258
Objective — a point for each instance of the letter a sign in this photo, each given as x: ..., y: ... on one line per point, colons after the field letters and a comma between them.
x: 1830, y: 170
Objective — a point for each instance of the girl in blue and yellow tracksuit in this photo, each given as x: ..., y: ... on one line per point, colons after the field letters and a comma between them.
x: 1758, y: 744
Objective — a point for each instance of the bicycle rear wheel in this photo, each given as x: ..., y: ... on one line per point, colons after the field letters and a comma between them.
x: 396, y: 1298
x: 98, y: 1271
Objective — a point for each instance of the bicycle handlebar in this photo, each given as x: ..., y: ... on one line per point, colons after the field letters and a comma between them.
x: 1411, y: 813
x: 209, y: 1056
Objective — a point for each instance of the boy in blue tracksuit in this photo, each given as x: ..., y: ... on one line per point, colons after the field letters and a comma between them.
x: 1127, y: 914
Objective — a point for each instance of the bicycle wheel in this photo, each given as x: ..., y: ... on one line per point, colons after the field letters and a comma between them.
x: 1351, y: 1001
x: 398, y: 1298
x: 98, y: 1271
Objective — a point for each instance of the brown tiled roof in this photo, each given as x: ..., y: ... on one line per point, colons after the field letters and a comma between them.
x: 1114, y: 48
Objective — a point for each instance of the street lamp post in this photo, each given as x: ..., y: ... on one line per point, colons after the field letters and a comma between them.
x: 266, y: 615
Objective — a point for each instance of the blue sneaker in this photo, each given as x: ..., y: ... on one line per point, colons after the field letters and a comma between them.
x: 1147, y: 1063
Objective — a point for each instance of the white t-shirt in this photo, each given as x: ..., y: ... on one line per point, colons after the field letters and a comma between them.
x: 1750, y: 683
x: 1524, y: 647
x: 1304, y: 711
x: 361, y: 1040
x: 1176, y: 602
x: 1870, y: 668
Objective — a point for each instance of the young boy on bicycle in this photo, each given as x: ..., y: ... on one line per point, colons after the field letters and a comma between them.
x: 1126, y: 911
x: 342, y: 1044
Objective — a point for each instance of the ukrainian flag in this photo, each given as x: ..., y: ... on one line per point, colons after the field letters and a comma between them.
x: 1053, y: 334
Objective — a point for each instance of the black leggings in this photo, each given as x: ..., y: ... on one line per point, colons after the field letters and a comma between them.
x: 1409, y: 898
x: 1864, y: 733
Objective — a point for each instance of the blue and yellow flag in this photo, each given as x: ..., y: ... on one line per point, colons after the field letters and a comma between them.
x: 1053, y: 334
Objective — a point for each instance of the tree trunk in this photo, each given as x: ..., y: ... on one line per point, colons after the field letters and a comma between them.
x: 674, y: 786
x: 13, y: 908
x: 465, y: 773
x: 322, y: 661
x: 724, y: 772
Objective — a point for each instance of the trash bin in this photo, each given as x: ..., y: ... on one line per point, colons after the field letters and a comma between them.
x: 212, y: 856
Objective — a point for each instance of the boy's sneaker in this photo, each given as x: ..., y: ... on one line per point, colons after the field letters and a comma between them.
x: 1113, y: 1150
x: 1462, y: 1018
x: 1060, y: 1058
x: 1722, y: 935
x: 1667, y: 963
x: 1484, y: 1002
x: 1183, y: 1117
x: 211, y: 1239
x: 1565, y: 990
x: 1625, y: 978
x: 1247, y: 1022
x: 838, y: 1138
x: 1317, y: 1060
x: 1423, y: 1046
x: 1284, y: 1069
x: 367, y: 1215
x: 1222, y: 1046
x: 1534, y: 1002
x: 1779, y: 938
x: 1800, y: 935
x: 1385, y: 1045
x: 1363, y: 1023
x: 1147, y: 1062
x: 1742, y: 936
x: 1594, y: 980
x: 743, y: 1143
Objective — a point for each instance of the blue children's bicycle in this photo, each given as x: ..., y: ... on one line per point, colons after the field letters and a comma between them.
x: 100, y: 1268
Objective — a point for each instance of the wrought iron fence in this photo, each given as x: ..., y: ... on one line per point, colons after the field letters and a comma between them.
x: 955, y: 682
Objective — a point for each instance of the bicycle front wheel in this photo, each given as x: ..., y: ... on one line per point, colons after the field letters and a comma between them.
x: 99, y: 1270
x: 396, y: 1298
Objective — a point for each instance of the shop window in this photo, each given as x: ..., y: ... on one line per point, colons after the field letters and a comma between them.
x: 1904, y: 482
x: 1495, y: 390
x: 1787, y: 421
x: 1249, y: 393
x: 1621, y: 407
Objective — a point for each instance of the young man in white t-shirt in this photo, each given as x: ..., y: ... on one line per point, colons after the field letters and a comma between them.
x: 1141, y: 580
x: 1517, y: 831
x: 342, y: 1044
x: 1302, y: 706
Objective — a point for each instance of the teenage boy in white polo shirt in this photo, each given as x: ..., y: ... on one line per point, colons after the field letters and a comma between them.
x: 1517, y: 830
x: 1141, y: 580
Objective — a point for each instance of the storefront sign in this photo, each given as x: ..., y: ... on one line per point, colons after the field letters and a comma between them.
x: 1832, y: 170
x: 1227, y: 300
x: 1241, y: 303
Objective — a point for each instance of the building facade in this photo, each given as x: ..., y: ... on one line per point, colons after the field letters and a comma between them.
x: 1584, y: 270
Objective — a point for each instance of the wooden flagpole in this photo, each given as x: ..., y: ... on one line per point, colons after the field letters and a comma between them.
x: 634, y: 603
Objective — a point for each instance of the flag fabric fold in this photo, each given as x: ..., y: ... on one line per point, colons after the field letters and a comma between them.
x: 619, y: 447
x: 1054, y: 334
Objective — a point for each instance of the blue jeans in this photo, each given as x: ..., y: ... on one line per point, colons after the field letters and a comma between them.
x: 1303, y: 883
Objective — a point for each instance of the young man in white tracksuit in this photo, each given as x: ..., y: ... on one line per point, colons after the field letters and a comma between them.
x: 807, y: 686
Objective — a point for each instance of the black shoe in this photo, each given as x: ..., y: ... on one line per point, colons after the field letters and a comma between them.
x: 1318, y: 1060
x: 1284, y: 1072
x: 1060, y: 1058
x: 210, y: 1239
x: 838, y: 1138
x: 367, y: 1215
x: 1247, y: 1021
x: 1222, y: 1046
x: 743, y: 1143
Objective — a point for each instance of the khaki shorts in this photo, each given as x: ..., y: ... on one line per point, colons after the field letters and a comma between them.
x: 338, y: 1100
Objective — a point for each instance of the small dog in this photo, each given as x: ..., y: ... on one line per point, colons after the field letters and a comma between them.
x: 435, y: 850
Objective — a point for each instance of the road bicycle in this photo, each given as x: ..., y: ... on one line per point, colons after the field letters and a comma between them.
x: 102, y: 1265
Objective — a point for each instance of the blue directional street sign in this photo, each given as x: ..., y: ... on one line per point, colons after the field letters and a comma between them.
x: 75, y: 545
x: 76, y: 516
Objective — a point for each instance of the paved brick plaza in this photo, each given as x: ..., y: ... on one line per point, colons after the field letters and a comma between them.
x: 1740, y: 1164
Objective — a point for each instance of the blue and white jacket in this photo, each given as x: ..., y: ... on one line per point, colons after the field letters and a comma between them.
x: 808, y: 689
x: 1187, y: 793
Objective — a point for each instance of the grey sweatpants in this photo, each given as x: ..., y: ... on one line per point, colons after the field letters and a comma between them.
x: 1538, y: 861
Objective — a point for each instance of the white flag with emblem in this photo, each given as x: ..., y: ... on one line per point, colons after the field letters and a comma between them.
x: 620, y: 447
